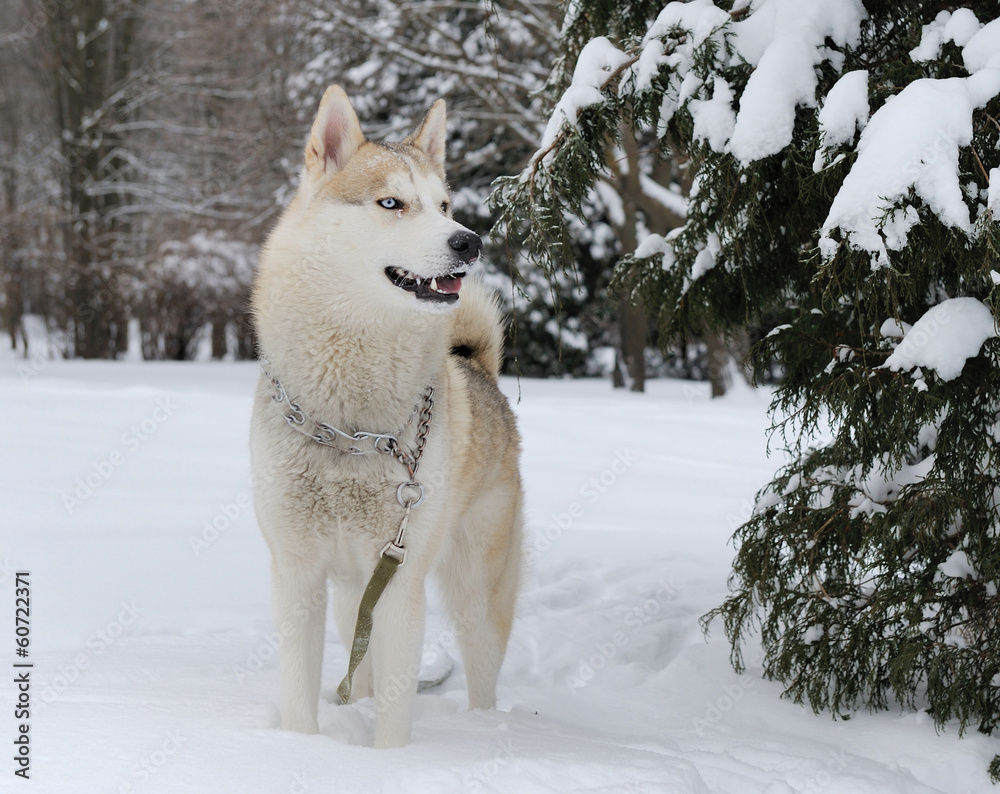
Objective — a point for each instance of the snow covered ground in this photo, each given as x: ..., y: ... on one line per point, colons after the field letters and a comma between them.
x: 124, y: 490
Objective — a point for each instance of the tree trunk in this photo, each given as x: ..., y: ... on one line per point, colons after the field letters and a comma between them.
x: 720, y: 353
x: 718, y: 364
x: 91, y: 46
x: 634, y: 335
x: 219, y: 345
x: 633, y: 330
x: 11, y: 224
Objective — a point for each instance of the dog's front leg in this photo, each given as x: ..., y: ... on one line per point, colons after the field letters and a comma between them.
x: 299, y: 595
x: 396, y: 641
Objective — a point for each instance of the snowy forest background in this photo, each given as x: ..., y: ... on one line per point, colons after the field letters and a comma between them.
x: 147, y: 147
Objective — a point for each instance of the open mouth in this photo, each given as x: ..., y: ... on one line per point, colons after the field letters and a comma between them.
x: 443, y: 289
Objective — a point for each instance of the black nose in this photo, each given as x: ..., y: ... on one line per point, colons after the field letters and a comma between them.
x: 466, y: 244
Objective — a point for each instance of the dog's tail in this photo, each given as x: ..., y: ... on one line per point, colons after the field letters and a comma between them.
x: 477, y: 328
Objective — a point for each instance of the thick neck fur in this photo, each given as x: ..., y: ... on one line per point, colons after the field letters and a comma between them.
x: 344, y: 360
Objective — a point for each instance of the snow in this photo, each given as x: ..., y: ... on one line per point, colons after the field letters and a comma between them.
x: 597, y: 61
x: 155, y: 668
x: 982, y: 51
x: 784, y: 41
x: 714, y: 119
x: 958, y: 566
x: 702, y: 17
x: 993, y: 197
x: 209, y: 261
x: 883, y: 486
x: 958, y: 27
x: 647, y: 66
x: 706, y: 258
x: 651, y: 245
x: 845, y: 109
x: 704, y: 20
x: 912, y: 141
x: 894, y: 329
x: 962, y: 26
x: 909, y: 146
x: 931, y: 39
x: 654, y: 244
x: 611, y: 200
x: 669, y: 197
x: 945, y: 337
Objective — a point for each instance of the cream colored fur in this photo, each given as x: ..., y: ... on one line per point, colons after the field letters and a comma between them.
x: 356, y: 351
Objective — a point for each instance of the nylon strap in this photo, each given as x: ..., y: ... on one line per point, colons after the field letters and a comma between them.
x: 363, y: 630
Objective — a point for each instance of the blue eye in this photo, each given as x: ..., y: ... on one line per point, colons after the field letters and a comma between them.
x: 390, y: 203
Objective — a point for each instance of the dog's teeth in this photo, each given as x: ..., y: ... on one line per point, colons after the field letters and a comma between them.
x: 434, y: 284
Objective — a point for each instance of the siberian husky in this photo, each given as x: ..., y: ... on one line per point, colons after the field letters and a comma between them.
x: 361, y: 310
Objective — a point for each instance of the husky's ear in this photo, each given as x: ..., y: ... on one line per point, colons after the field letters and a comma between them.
x: 336, y: 134
x: 431, y: 136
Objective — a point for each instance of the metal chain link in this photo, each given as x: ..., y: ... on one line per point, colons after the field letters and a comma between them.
x: 327, y: 435
x: 382, y: 443
x: 412, y: 459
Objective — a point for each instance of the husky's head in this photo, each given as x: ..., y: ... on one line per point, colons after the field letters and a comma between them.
x: 384, y: 210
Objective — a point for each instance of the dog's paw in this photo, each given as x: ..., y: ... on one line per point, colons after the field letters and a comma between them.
x: 435, y: 668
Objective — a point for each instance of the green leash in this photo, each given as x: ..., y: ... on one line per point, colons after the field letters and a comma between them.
x: 393, y: 554
x: 363, y: 630
x: 388, y: 563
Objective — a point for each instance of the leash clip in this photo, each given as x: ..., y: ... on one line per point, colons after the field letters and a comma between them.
x: 397, y: 553
x: 394, y: 548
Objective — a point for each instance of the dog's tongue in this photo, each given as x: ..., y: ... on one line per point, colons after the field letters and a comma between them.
x: 449, y: 284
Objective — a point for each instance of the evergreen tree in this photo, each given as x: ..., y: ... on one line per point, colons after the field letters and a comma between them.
x: 845, y: 191
x: 629, y: 189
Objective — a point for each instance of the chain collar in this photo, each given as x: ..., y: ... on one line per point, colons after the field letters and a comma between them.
x: 357, y: 443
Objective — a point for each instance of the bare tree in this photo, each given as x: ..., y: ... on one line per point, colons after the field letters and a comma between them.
x: 92, y: 54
